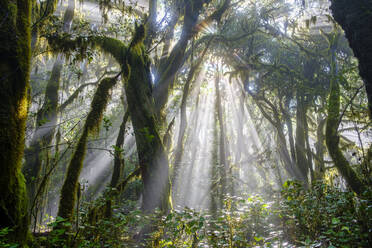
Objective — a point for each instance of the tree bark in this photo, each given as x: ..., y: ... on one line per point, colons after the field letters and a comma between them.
x: 118, y: 157
x: 15, y: 56
x: 70, y: 186
x: 332, y: 137
x: 152, y: 157
x: 222, y: 143
x: 355, y: 18
x: 46, y: 117
x: 301, y: 159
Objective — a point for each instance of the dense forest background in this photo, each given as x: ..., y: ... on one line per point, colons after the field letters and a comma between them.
x: 185, y: 123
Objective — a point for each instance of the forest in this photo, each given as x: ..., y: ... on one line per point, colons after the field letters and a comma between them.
x: 185, y: 123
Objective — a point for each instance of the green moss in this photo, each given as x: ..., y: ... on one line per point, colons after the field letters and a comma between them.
x: 43, y: 133
x: 64, y: 43
x: 135, y: 68
x: 99, y: 103
x: 15, y: 53
x: 152, y: 158
x: 71, y: 184
x: 333, y: 139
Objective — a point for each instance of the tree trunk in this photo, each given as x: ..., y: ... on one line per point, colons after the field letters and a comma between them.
x: 170, y: 66
x: 152, y: 157
x: 301, y: 159
x: 70, y: 186
x: 319, y: 148
x: 332, y: 137
x: 355, y: 18
x: 289, y: 125
x: 15, y: 56
x: 225, y: 168
x: 46, y: 118
x: 118, y: 157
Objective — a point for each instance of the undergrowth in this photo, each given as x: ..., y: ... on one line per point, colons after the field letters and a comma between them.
x: 322, y: 216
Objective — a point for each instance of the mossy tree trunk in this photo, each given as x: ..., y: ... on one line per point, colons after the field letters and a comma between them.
x: 118, y: 153
x: 15, y: 55
x: 70, y: 186
x: 46, y: 119
x: 301, y: 159
x: 355, y: 18
x: 332, y: 137
x: 152, y: 157
x: 319, y: 148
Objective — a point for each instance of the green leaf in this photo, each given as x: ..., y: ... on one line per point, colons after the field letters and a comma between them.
x: 258, y: 239
x: 335, y: 221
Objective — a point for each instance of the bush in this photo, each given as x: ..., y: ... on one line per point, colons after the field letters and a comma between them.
x: 324, y: 216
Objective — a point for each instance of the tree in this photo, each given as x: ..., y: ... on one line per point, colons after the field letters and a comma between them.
x: 15, y: 56
x: 355, y: 18
x: 46, y: 119
x: 333, y: 121
x: 144, y: 103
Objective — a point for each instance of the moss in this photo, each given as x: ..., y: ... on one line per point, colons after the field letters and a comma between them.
x: 135, y: 67
x: 138, y: 37
x: 118, y: 159
x: 301, y: 159
x: 71, y: 184
x: 15, y: 54
x: 152, y: 158
x: 333, y: 139
x: 65, y: 43
x: 46, y: 121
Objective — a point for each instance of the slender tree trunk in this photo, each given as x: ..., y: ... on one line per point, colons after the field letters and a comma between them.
x: 215, y: 177
x: 118, y: 154
x: 319, y: 148
x: 309, y: 154
x: 45, y: 125
x: 183, y: 117
x: 15, y: 56
x: 222, y: 143
x: 46, y: 118
x: 119, y: 164
x: 70, y: 186
x: 301, y: 159
x: 289, y: 125
x: 332, y: 137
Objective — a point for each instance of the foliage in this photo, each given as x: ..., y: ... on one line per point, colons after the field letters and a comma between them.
x: 4, y: 242
x: 322, y: 216
x: 325, y: 216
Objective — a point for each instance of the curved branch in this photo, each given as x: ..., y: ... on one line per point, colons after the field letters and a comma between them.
x: 65, y: 43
